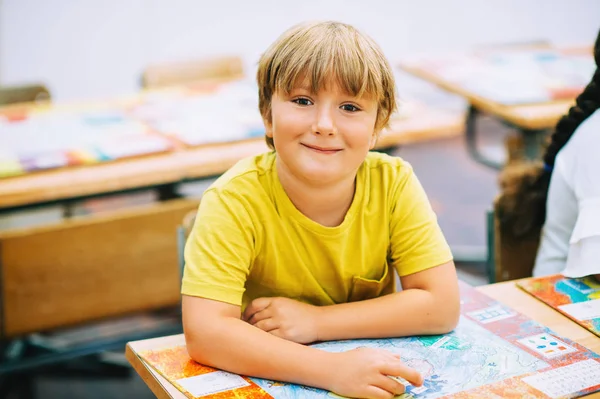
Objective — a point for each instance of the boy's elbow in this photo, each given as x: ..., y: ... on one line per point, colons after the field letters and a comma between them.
x: 447, y: 317
x: 196, y: 349
x: 200, y: 343
x: 451, y: 322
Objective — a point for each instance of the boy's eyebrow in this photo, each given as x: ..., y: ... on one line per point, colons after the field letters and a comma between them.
x: 308, y: 88
x: 302, y: 86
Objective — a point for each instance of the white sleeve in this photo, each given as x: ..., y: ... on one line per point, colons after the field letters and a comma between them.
x: 584, y: 244
x: 561, y: 213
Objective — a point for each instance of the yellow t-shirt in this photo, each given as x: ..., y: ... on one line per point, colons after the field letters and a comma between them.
x: 250, y: 241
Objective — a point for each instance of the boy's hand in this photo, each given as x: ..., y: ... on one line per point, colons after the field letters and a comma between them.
x: 284, y: 318
x: 365, y: 373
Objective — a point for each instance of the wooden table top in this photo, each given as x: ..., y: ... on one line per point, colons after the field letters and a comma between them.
x: 191, y: 163
x: 526, y: 116
x: 507, y: 293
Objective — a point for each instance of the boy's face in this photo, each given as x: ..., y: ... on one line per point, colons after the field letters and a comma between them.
x: 322, y: 137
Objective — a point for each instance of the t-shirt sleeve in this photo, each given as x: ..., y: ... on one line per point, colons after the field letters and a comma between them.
x: 583, y: 258
x: 219, y: 250
x: 416, y: 239
x: 584, y: 245
x: 561, y: 212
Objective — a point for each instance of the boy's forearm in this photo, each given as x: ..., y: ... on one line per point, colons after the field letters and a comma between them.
x: 236, y: 346
x: 404, y: 313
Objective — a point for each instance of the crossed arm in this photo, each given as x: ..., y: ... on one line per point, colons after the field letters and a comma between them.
x: 265, y: 340
x: 428, y: 304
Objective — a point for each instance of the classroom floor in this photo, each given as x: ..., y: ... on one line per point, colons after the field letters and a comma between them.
x: 460, y: 190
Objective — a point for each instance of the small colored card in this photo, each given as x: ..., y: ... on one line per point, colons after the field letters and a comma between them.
x: 547, y: 345
x: 578, y: 299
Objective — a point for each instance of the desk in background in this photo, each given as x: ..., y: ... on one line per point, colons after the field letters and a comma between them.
x: 507, y: 293
x: 155, y: 140
x: 527, y: 87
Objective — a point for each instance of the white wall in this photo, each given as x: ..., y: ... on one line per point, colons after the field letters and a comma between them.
x: 97, y: 49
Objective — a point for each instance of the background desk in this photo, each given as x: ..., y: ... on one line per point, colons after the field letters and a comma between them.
x: 532, y: 120
x: 165, y: 170
x: 506, y: 293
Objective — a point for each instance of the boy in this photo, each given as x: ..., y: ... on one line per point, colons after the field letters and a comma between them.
x: 296, y: 245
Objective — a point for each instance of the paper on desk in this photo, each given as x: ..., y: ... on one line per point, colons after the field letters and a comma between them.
x: 10, y: 166
x: 211, y: 383
x: 566, y: 380
x: 588, y: 310
x: 196, y: 380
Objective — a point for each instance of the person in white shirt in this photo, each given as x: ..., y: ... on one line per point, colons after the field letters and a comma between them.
x: 562, y: 196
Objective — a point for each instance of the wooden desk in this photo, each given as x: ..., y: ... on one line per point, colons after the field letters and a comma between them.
x: 526, y: 116
x: 507, y: 293
x: 532, y: 120
x: 190, y: 163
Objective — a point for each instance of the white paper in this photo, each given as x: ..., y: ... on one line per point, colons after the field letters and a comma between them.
x: 211, y: 383
x: 587, y: 310
x: 547, y: 345
x: 491, y: 314
x: 566, y: 380
x: 418, y: 390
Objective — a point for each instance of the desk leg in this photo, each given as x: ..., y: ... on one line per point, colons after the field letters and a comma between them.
x: 533, y: 141
x: 167, y: 192
x: 491, y: 246
x: 68, y: 209
x: 470, y: 135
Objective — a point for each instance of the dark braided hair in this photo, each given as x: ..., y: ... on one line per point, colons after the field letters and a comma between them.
x: 521, y: 208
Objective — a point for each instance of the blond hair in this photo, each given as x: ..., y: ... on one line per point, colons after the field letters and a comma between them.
x: 325, y: 53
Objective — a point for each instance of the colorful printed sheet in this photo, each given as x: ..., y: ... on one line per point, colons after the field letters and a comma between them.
x: 578, y: 299
x: 33, y: 139
x: 45, y: 140
x: 494, y: 352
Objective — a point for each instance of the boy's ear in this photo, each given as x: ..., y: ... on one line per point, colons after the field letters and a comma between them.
x: 268, y: 128
x: 374, y: 138
x: 268, y: 124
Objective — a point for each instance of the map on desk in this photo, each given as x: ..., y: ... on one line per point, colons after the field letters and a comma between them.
x: 494, y: 352
x: 576, y: 298
x: 515, y: 77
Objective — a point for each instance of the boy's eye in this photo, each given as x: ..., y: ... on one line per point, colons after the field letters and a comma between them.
x: 302, y: 101
x: 350, y: 108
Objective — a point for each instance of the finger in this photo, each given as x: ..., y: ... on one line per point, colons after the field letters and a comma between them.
x: 256, y: 306
x: 399, y: 369
x: 267, y: 325
x: 393, y: 356
x: 388, y: 354
x: 374, y: 392
x: 390, y: 384
x: 261, y: 315
x: 278, y: 333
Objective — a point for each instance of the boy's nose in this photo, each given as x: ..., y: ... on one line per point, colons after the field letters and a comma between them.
x: 324, y: 124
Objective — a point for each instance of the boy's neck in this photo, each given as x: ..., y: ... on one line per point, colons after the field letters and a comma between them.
x: 326, y: 204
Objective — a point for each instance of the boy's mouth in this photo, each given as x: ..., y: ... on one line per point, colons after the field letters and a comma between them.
x: 322, y: 150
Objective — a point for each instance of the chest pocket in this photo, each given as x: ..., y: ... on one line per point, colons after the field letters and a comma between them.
x: 364, y: 288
